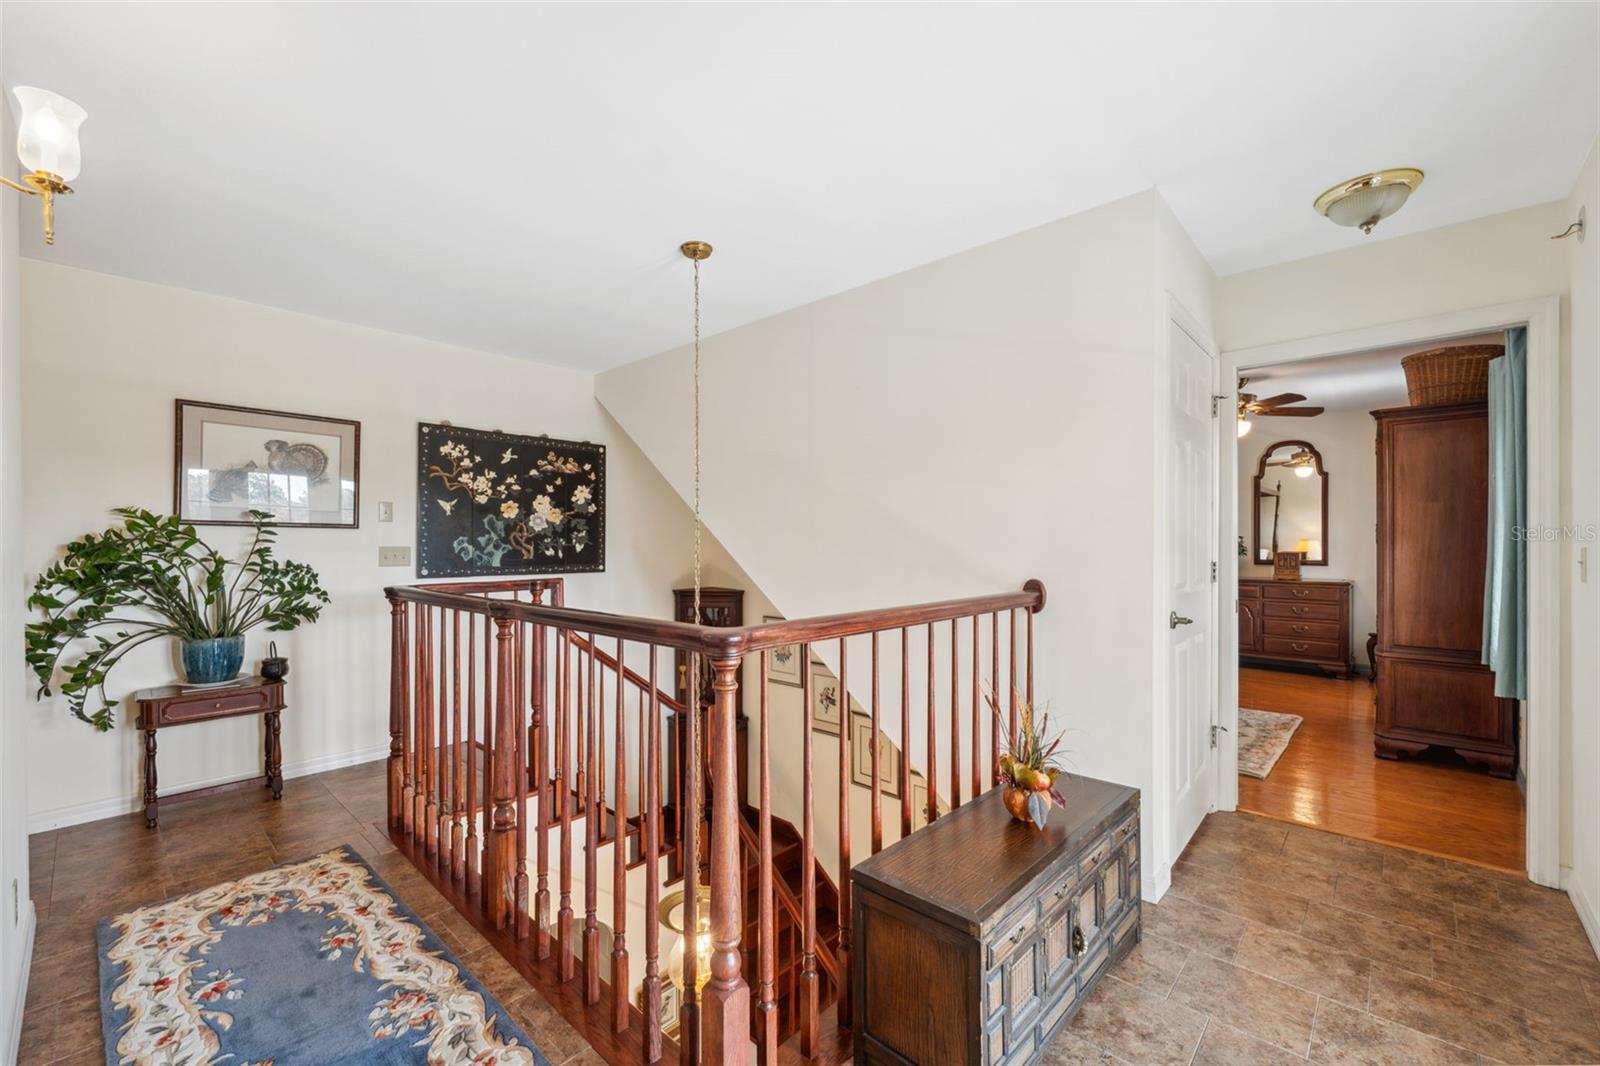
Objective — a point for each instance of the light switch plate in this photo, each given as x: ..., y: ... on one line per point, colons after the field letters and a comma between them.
x: 398, y: 556
x: 385, y: 511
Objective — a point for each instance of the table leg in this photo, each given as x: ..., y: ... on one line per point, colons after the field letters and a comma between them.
x: 150, y: 803
x: 275, y: 754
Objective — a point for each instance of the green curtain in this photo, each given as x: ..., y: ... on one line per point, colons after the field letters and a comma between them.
x: 1505, y: 584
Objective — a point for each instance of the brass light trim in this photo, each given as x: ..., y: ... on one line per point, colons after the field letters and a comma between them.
x: 46, y: 186
x: 1410, y: 177
x: 696, y: 250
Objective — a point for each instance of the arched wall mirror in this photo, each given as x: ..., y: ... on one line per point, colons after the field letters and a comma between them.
x: 1291, y: 503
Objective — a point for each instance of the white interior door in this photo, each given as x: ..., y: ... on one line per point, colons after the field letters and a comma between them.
x: 1192, y: 638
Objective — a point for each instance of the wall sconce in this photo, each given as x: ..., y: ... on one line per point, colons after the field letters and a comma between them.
x: 47, y: 144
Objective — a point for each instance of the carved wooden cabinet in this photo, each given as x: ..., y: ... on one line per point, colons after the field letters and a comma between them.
x: 1304, y: 623
x: 1433, y: 512
x: 978, y: 937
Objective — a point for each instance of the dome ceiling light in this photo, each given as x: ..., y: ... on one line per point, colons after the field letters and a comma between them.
x: 1369, y: 199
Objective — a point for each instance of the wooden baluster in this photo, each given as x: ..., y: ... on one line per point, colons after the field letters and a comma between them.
x: 689, y: 860
x: 499, y: 845
x: 471, y: 864
x: 519, y: 763
x: 810, y: 986
x: 541, y: 778
x: 564, y: 723
x: 619, y: 863
x: 933, y: 738
x: 994, y: 690
x: 766, y: 1001
x: 414, y: 811
x: 441, y: 854
x: 430, y: 812
x: 1011, y: 649
x: 905, y: 732
x: 1029, y: 616
x: 490, y: 717
x: 458, y: 791
x: 955, y: 717
x: 877, y: 769
x: 651, y: 820
x: 977, y: 718
x: 727, y: 995
x: 399, y: 674
x: 846, y: 786
x: 594, y: 813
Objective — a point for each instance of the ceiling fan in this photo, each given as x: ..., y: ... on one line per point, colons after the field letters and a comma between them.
x: 1301, y: 461
x: 1271, y: 407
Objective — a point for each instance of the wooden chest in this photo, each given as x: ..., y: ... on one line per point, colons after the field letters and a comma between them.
x: 978, y: 937
x: 1300, y: 622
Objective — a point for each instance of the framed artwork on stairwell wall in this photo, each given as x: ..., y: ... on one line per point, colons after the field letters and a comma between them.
x: 826, y: 701
x: 861, y: 757
x: 783, y: 663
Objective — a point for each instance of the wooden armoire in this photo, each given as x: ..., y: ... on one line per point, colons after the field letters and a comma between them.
x: 1433, y: 492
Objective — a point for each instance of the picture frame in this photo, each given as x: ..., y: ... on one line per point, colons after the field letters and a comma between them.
x: 826, y: 702
x: 228, y: 460
x: 861, y: 758
x: 784, y: 662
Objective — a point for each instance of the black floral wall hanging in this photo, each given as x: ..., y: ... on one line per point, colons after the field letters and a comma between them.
x: 491, y: 503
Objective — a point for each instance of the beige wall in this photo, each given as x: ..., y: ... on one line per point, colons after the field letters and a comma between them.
x: 103, y: 360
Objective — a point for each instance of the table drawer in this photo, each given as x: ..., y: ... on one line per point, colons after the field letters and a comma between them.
x: 1296, y: 630
x: 1289, y: 590
x: 217, y: 705
x: 1304, y: 649
x: 1328, y: 612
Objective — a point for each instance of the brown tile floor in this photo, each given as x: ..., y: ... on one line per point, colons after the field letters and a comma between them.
x: 1276, y: 943
x: 85, y: 872
x: 1282, y: 944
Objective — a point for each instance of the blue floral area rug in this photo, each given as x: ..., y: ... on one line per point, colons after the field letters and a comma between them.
x: 314, y: 962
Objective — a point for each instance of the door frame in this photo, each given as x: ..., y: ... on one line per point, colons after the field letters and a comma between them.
x: 1158, y: 873
x: 1541, y: 756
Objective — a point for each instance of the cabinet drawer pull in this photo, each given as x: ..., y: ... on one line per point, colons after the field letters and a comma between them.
x: 1299, y: 610
x: 1297, y: 646
x: 1077, y: 940
x: 1301, y: 628
x: 1302, y: 593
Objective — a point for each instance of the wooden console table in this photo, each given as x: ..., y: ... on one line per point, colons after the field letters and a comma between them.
x: 172, y: 705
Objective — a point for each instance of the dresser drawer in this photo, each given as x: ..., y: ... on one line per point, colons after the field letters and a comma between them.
x: 1304, y: 649
x: 220, y: 705
x: 1298, y: 593
x: 1012, y: 937
x: 1328, y: 612
x: 1296, y: 630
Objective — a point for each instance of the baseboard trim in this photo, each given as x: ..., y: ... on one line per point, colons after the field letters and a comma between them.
x: 13, y: 1035
x: 1579, y: 894
x: 94, y: 811
x: 1155, y: 886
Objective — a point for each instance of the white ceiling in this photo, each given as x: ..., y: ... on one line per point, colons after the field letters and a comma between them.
x: 1363, y: 381
x: 517, y: 178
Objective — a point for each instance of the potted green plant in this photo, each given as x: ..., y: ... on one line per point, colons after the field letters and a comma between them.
x: 153, y: 577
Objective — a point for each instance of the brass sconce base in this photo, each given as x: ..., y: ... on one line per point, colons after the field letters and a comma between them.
x: 47, y: 187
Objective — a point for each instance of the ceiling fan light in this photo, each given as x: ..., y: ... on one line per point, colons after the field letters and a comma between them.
x: 1303, y: 471
x: 1365, y: 201
x: 1244, y: 426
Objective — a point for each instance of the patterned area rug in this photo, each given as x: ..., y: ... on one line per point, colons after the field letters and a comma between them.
x: 311, y: 962
x: 1263, y: 735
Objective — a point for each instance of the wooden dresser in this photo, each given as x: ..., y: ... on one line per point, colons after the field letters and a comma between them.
x: 1298, y: 622
x: 979, y: 936
x: 1433, y: 513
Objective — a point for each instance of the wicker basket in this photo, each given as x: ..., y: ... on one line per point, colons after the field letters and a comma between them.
x: 1450, y: 375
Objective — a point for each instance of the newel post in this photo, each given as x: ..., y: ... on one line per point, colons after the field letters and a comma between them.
x: 725, y: 1024
x: 499, y: 846
x: 399, y: 668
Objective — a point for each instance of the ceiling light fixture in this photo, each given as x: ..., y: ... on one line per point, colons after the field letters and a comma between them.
x: 1369, y: 199
x: 47, y: 144
x: 1244, y: 425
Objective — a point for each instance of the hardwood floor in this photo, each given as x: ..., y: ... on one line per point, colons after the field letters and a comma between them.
x: 1329, y: 779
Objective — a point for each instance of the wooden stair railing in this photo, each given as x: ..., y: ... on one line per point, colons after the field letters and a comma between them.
x: 511, y: 715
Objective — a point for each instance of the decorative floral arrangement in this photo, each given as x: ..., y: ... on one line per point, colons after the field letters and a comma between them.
x: 153, y: 577
x: 1028, y: 769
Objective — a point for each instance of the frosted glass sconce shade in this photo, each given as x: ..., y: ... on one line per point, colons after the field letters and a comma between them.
x: 47, y: 133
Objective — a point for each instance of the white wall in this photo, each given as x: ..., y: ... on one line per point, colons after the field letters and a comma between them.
x: 1493, y: 260
x: 104, y: 358
x: 1345, y: 439
x: 1583, y: 396
x: 950, y: 431
x: 16, y: 908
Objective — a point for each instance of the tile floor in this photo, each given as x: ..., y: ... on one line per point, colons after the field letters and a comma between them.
x: 1282, y: 944
x: 1276, y: 943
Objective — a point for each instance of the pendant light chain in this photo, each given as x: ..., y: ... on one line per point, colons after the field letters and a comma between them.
x: 696, y: 263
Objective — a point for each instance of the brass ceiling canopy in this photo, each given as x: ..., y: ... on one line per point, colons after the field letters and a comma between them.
x: 1369, y: 199
x: 696, y: 250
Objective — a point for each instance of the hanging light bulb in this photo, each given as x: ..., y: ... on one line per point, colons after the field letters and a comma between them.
x: 1244, y: 426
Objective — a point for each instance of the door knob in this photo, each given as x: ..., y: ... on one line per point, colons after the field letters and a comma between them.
x: 1174, y: 620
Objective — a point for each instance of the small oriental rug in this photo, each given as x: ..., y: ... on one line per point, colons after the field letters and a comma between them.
x: 1263, y: 736
x: 311, y: 962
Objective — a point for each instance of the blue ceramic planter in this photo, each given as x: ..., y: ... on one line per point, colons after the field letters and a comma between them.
x: 210, y: 661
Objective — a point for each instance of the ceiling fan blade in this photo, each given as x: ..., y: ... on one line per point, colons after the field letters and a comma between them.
x: 1296, y: 412
x: 1280, y: 399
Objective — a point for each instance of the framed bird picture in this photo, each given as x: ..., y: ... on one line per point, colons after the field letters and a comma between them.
x: 305, y: 470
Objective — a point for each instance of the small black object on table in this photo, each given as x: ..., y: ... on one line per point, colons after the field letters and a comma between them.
x: 172, y: 705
